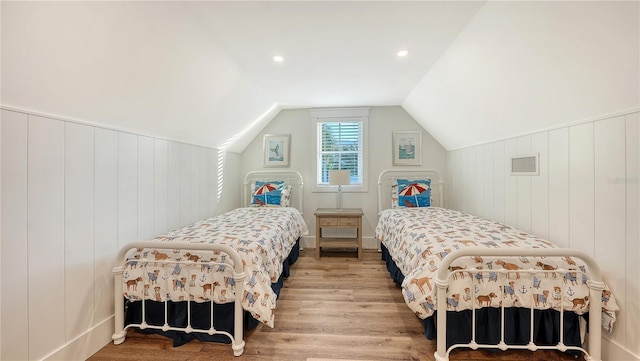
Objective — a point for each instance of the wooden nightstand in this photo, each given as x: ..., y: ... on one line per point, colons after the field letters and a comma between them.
x: 339, y: 218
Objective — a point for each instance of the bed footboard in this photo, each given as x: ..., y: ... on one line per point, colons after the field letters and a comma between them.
x: 237, y: 342
x: 594, y: 282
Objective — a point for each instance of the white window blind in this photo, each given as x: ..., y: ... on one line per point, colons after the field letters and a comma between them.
x: 340, y: 146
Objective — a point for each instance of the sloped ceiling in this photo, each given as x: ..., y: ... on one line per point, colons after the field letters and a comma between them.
x: 520, y: 67
x: 202, y: 71
x: 146, y: 67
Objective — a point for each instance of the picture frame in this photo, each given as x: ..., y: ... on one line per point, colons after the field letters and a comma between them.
x: 407, y: 148
x: 276, y: 150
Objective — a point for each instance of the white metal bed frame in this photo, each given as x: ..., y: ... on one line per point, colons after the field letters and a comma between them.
x: 237, y: 342
x: 293, y: 178
x: 594, y: 278
x: 594, y: 282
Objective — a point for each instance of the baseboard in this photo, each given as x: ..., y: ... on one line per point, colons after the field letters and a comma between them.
x: 86, y: 344
x: 367, y: 242
x: 612, y: 351
x: 308, y: 242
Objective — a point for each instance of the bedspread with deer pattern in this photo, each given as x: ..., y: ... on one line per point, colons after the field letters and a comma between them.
x: 419, y: 238
x: 263, y: 237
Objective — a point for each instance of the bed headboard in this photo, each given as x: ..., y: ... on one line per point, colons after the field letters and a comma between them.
x: 388, y: 177
x: 290, y: 177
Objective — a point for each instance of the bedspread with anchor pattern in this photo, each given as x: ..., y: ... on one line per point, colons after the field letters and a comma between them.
x: 263, y: 237
x: 419, y: 238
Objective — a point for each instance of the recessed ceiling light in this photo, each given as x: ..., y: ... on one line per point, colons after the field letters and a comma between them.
x: 402, y: 53
x: 278, y: 59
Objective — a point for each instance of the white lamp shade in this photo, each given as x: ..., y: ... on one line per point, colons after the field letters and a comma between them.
x: 339, y: 177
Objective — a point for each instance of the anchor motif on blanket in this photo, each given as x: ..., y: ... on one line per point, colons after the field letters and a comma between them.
x: 522, y: 290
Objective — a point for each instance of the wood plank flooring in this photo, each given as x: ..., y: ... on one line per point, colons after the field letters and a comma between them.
x: 334, y: 308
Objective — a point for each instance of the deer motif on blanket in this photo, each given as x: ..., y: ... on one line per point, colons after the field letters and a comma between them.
x: 580, y: 303
x: 510, y: 267
x: 482, y: 299
x: 547, y: 267
x: 132, y: 285
x: 420, y: 282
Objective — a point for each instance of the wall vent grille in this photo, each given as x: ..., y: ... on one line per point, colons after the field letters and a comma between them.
x: 525, y: 164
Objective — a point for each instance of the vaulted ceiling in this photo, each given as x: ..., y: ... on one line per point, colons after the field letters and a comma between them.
x: 203, y: 72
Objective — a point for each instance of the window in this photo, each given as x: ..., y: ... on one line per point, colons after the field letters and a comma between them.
x: 341, y: 145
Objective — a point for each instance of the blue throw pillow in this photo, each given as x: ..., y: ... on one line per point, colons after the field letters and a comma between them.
x: 267, y: 193
x: 414, y: 193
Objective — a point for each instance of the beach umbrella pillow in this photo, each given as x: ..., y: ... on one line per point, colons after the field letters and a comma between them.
x: 267, y: 193
x: 414, y: 193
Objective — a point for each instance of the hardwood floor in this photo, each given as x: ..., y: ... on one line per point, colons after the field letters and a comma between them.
x: 334, y: 308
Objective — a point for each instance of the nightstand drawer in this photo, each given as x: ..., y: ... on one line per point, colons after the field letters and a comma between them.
x: 328, y: 221
x: 352, y: 221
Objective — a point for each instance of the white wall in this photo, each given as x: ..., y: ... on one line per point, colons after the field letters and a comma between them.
x: 586, y: 197
x: 230, y: 180
x: 0, y: 236
x: 382, y: 122
x: 72, y: 195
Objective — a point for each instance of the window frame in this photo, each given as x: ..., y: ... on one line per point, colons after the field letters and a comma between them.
x: 340, y: 115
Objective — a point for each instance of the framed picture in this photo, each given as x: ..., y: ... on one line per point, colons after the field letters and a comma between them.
x: 276, y: 150
x: 407, y: 148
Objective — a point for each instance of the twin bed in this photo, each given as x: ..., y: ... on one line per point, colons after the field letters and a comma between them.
x: 503, y: 288
x: 212, y: 279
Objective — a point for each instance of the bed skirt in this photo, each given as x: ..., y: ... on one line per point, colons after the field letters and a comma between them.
x: 223, y: 319
x: 517, y: 322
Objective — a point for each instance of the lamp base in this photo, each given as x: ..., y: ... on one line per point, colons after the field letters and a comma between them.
x: 339, y: 199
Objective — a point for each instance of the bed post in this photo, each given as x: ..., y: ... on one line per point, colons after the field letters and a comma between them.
x: 595, y: 319
x: 119, y: 333
x: 238, y: 327
x: 441, y: 319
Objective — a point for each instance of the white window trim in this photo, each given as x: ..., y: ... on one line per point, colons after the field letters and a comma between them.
x: 337, y: 115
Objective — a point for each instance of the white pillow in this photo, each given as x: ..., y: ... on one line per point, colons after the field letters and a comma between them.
x: 285, y: 198
x: 394, y: 196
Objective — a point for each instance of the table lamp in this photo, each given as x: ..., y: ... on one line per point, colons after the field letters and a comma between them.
x: 339, y: 178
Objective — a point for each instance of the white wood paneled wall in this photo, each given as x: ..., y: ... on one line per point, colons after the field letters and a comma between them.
x: 105, y: 218
x: 46, y: 234
x: 72, y: 195
x: 15, y: 275
x: 586, y: 197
